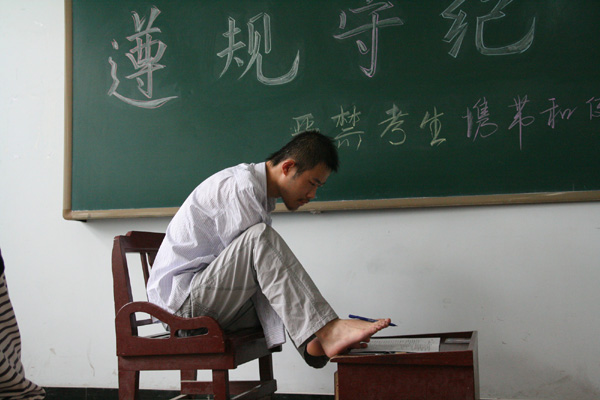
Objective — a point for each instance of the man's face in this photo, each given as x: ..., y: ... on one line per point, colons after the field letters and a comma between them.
x: 297, y: 190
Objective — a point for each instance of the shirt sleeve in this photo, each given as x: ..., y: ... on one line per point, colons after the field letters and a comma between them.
x: 244, y: 211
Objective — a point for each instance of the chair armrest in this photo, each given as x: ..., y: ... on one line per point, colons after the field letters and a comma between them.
x: 211, y: 342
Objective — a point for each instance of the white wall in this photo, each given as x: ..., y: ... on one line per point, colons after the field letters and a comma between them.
x: 525, y: 277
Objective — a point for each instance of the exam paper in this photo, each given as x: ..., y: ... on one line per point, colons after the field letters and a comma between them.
x: 401, y: 345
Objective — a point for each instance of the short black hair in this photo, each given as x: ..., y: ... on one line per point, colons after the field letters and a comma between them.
x: 308, y: 149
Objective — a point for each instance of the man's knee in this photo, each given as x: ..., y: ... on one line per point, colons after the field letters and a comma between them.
x: 262, y: 231
x: 258, y: 229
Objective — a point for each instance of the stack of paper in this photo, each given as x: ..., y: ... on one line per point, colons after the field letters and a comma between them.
x: 400, y: 345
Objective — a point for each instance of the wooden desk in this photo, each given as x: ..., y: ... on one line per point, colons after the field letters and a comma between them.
x: 450, y: 374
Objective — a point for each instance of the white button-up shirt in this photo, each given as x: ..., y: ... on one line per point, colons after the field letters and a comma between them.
x: 214, y: 214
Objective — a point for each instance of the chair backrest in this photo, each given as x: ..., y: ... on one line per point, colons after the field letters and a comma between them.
x: 146, y: 244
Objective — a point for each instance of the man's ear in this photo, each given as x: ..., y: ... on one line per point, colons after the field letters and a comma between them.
x: 287, y: 166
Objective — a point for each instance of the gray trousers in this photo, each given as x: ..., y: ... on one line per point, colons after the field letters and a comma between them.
x: 259, y: 259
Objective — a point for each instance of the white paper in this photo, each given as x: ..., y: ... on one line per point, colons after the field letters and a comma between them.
x: 401, y: 345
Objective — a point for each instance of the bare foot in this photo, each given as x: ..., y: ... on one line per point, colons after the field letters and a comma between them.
x: 315, y: 349
x: 340, y: 335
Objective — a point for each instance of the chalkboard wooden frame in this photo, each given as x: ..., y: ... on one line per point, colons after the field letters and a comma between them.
x: 318, y: 206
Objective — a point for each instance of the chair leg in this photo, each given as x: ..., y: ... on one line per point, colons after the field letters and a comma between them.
x: 129, y: 384
x: 188, y: 378
x: 221, y: 384
x: 265, y: 365
x: 190, y: 375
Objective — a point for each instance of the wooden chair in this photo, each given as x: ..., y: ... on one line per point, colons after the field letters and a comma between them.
x: 214, y: 350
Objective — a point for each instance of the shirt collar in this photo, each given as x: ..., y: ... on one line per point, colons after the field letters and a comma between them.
x: 261, y: 172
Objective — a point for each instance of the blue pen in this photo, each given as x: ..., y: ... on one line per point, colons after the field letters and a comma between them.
x: 365, y: 319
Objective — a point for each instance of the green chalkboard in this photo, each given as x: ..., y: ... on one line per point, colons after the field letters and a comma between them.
x: 432, y: 102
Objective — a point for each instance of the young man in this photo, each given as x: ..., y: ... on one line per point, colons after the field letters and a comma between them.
x: 221, y: 258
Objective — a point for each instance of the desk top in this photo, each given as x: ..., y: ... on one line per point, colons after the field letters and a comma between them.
x: 456, y: 348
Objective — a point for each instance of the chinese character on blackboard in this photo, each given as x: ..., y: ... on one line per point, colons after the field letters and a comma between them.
x: 460, y: 24
x: 254, y: 50
x: 346, y: 121
x: 394, y: 125
x: 372, y: 24
x: 145, y: 57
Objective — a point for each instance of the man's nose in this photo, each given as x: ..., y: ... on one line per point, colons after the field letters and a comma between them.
x: 312, y: 194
